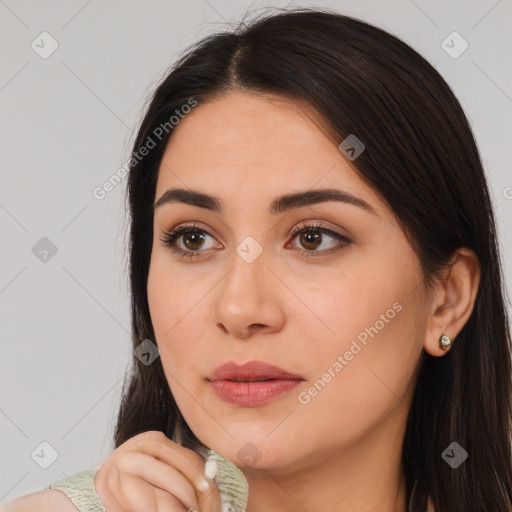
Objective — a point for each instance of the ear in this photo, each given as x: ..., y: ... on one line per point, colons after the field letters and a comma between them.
x: 453, y: 300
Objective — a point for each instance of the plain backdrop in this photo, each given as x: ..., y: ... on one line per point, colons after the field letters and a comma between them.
x: 67, y: 121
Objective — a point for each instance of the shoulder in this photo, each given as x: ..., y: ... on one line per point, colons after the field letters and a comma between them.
x: 47, y: 500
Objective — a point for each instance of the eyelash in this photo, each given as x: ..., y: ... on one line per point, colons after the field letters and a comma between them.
x: 170, y: 237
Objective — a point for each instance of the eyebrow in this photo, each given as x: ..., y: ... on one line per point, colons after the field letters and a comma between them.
x: 279, y: 204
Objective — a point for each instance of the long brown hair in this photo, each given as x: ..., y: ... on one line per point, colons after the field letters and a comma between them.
x: 421, y: 157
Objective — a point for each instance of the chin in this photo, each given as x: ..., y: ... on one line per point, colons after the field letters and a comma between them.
x: 259, y: 451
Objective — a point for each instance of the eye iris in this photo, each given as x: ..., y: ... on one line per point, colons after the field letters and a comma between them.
x: 311, y: 239
x: 197, y: 240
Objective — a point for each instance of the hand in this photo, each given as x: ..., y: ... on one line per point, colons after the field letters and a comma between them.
x: 151, y: 473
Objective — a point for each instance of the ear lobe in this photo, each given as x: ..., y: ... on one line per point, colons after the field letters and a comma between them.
x: 453, y: 300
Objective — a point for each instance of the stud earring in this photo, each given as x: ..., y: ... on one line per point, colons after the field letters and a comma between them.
x: 445, y: 342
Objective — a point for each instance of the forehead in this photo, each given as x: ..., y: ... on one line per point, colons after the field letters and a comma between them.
x: 242, y: 144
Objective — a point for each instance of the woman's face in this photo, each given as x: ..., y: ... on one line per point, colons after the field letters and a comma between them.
x: 343, y: 314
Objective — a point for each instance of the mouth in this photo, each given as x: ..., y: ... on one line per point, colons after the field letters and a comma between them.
x: 252, y: 384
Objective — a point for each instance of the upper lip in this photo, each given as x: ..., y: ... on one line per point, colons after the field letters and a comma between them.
x: 250, y: 371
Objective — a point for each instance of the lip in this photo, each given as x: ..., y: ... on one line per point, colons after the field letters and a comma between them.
x: 250, y: 371
x: 252, y: 393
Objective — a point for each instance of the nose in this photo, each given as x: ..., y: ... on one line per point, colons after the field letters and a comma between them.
x: 249, y: 299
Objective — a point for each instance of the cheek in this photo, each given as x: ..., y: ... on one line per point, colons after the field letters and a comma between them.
x: 369, y: 338
x: 344, y: 302
x: 178, y: 321
x: 178, y: 317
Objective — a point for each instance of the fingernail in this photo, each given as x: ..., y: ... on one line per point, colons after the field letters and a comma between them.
x: 203, y: 485
x: 210, y: 470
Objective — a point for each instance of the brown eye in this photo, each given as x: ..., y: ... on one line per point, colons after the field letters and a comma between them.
x: 192, y: 240
x: 311, y: 237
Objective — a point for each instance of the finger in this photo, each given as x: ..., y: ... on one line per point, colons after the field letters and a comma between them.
x: 166, y: 502
x: 191, y: 464
x: 137, y: 494
x: 158, y: 445
x: 211, y: 498
x: 161, y: 475
x: 106, y: 485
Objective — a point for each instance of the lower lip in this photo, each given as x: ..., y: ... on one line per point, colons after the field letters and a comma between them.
x: 252, y: 394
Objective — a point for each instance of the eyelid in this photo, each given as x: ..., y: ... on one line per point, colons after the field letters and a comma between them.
x: 185, y: 227
x: 318, y: 225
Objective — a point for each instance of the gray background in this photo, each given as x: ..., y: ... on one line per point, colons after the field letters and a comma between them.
x: 66, y: 126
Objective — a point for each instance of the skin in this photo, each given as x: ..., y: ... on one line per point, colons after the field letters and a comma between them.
x: 341, y: 451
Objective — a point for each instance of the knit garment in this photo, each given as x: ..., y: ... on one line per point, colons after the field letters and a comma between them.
x: 79, y: 488
x: 230, y: 480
